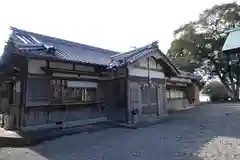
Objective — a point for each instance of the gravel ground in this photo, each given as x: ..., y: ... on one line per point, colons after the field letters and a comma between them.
x: 210, y: 132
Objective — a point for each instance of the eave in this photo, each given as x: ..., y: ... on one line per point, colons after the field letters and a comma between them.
x: 232, y: 51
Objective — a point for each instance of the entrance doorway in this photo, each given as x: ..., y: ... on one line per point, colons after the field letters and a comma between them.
x: 149, y: 96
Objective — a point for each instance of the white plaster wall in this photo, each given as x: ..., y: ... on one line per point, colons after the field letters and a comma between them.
x: 84, y: 68
x: 61, y: 65
x: 81, y: 84
x: 34, y: 66
x: 180, y: 79
x: 144, y: 73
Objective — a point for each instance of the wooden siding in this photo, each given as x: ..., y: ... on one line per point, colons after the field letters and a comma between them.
x: 177, y: 104
x: 115, y: 98
x: 44, y: 117
x: 39, y: 112
x: 148, y: 104
x: 149, y: 101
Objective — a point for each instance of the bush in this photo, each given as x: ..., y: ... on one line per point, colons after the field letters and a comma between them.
x: 219, y: 97
x: 216, y: 91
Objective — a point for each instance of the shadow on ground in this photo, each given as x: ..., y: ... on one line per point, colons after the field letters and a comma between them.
x: 187, y: 136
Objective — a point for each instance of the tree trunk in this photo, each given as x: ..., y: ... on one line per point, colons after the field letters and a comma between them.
x: 237, y: 83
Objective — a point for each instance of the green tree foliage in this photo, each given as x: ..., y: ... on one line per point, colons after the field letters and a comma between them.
x: 197, y: 44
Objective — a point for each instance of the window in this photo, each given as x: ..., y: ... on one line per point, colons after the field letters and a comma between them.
x: 173, y: 93
x: 57, y: 87
x: 143, y: 63
x: 74, y: 94
x: 42, y: 91
x: 89, y: 94
x: 152, y: 63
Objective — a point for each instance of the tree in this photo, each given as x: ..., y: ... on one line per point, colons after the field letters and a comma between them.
x: 197, y: 45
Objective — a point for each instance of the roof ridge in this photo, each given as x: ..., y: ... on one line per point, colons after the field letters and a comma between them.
x: 154, y: 44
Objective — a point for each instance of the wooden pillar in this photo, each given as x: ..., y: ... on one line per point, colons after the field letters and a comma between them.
x: 23, y: 93
x: 159, y: 100
x: 126, y: 99
x: 126, y: 95
x: 11, y: 91
x: 196, y: 89
x: 165, y: 98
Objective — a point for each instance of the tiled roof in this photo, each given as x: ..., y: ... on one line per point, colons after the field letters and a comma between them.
x: 132, y: 56
x: 65, y: 50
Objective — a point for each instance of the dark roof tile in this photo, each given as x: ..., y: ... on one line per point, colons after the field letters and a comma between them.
x: 66, y: 50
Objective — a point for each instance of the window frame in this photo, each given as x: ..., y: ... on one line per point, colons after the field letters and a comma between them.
x: 58, y: 93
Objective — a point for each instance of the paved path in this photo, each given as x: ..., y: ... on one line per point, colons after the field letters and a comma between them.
x: 209, y: 132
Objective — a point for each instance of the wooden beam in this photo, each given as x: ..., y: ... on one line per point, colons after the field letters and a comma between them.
x: 54, y: 107
x: 56, y: 70
x: 47, y: 63
x: 74, y: 67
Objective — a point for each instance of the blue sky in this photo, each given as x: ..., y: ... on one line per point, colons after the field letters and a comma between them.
x: 113, y: 24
